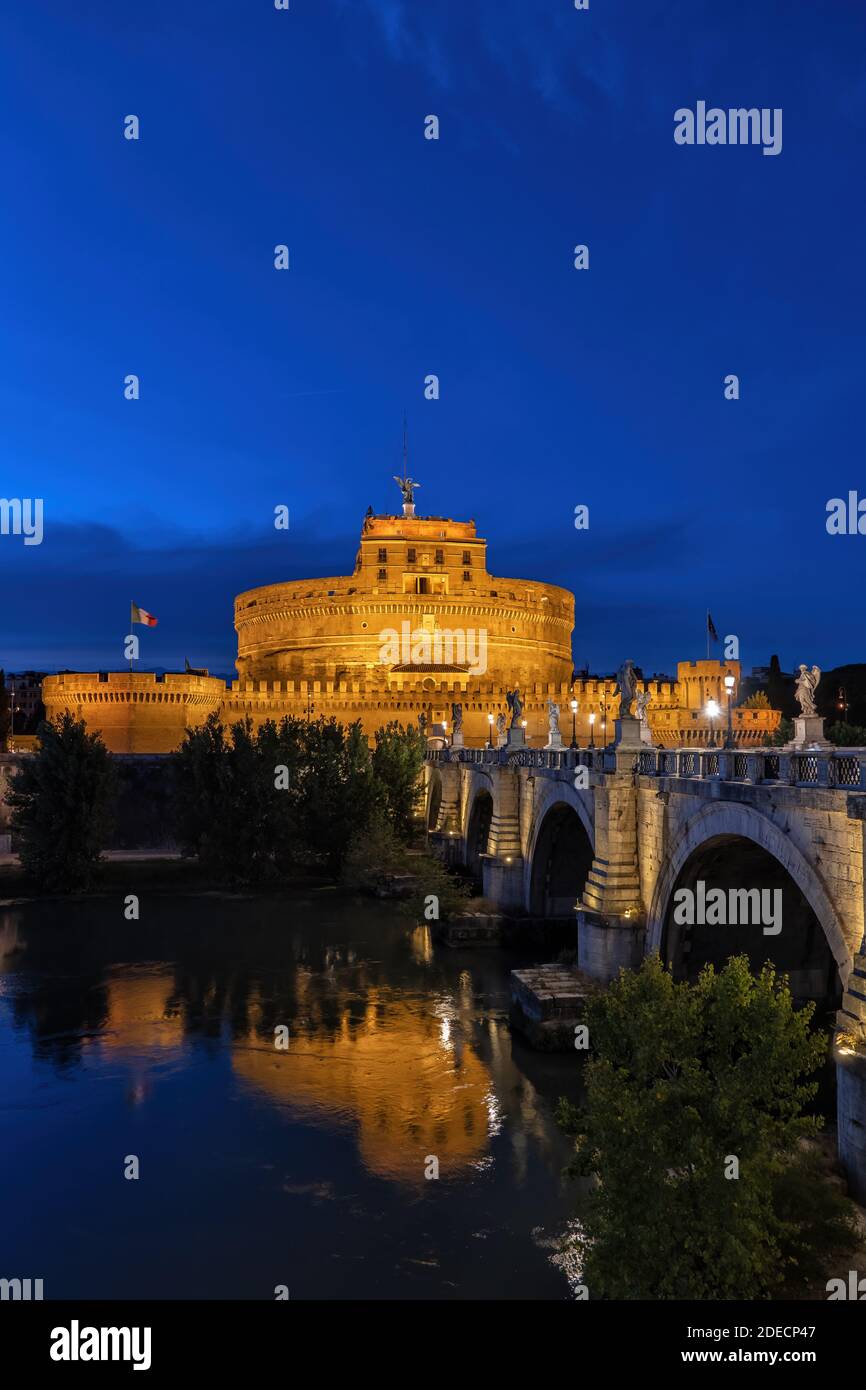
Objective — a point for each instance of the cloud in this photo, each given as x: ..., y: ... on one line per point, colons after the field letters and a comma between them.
x: 552, y: 50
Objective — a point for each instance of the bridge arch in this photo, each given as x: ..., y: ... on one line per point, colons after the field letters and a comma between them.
x: 703, y: 844
x: 560, y: 849
x: 434, y: 797
x: 479, y: 816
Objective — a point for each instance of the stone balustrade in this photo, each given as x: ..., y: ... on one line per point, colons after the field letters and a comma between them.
x: 837, y: 768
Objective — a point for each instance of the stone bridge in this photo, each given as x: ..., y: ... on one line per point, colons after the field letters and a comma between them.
x: 613, y: 833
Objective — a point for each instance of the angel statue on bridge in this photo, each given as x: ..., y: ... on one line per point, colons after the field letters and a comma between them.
x: 626, y: 689
x: 515, y: 704
x: 807, y: 683
x: 641, y: 700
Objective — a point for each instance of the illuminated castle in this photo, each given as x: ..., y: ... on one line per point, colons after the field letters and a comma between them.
x: 419, y: 625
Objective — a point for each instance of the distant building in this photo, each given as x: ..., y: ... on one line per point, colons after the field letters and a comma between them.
x: 24, y: 690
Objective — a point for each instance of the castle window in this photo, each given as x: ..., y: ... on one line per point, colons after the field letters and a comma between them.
x: 440, y: 557
x: 410, y: 555
x: 383, y: 574
x: 467, y: 557
x: 383, y: 557
x: 467, y: 575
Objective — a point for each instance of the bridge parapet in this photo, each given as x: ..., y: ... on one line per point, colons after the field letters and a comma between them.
x: 842, y: 768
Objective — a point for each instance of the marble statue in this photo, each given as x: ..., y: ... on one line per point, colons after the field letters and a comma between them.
x: 457, y: 718
x: 422, y: 723
x: 500, y: 726
x: 807, y: 683
x: 626, y: 688
x: 641, y: 700
x: 552, y: 717
x: 515, y: 704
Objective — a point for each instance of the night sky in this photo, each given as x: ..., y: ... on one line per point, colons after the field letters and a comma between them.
x: 411, y: 257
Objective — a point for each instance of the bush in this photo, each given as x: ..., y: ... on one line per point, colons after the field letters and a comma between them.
x: 60, y: 801
x: 376, y: 852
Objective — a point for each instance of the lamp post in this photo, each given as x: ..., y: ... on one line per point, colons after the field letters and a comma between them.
x: 523, y: 726
x: 574, y: 723
x: 490, y: 728
x: 445, y: 731
x: 592, y: 729
x: 730, y: 682
x: 712, y: 712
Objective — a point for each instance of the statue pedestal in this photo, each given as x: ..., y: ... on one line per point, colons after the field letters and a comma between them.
x: 554, y: 739
x: 408, y: 508
x: 457, y: 739
x: 645, y: 734
x: 627, y: 732
x: 809, y: 732
x: 516, y: 738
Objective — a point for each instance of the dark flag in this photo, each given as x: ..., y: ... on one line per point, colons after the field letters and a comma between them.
x: 711, y: 628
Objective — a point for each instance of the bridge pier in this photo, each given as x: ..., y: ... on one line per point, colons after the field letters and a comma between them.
x: 502, y: 881
x: 611, y: 922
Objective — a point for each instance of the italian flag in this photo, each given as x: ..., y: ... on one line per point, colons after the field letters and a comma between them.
x: 138, y: 615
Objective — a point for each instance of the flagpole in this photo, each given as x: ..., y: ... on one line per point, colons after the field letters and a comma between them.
x: 708, y: 634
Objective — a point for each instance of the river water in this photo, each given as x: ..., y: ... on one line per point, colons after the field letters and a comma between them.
x: 261, y: 1167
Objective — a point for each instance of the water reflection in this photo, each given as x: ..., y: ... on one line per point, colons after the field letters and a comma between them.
x: 398, y: 1050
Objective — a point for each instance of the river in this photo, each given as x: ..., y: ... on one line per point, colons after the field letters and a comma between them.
x: 260, y: 1167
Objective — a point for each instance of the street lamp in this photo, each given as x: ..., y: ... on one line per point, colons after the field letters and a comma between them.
x: 712, y: 712
x: 490, y: 727
x: 445, y: 731
x: 730, y: 682
x: 574, y: 723
x: 592, y: 730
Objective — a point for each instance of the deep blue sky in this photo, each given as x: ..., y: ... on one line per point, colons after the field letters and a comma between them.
x: 411, y: 256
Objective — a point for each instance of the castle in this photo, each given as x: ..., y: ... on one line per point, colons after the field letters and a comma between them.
x: 420, y: 625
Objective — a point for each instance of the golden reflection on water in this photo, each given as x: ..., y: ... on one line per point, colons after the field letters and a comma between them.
x: 397, y: 1075
x: 399, y: 1068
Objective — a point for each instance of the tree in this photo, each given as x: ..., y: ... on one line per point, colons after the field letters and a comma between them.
x: 695, y: 1097
x: 237, y: 812
x: 847, y: 735
x: 780, y: 736
x: 398, y: 757
x: 254, y: 804
x: 757, y: 701
x: 60, y: 799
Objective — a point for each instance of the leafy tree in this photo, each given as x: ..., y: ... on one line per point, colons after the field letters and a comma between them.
x: 847, y: 735
x: 780, y: 736
x: 232, y: 814
x: 339, y: 791
x: 253, y: 804
x: 60, y: 799
x: 757, y: 701
x: 682, y: 1080
x: 398, y: 757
